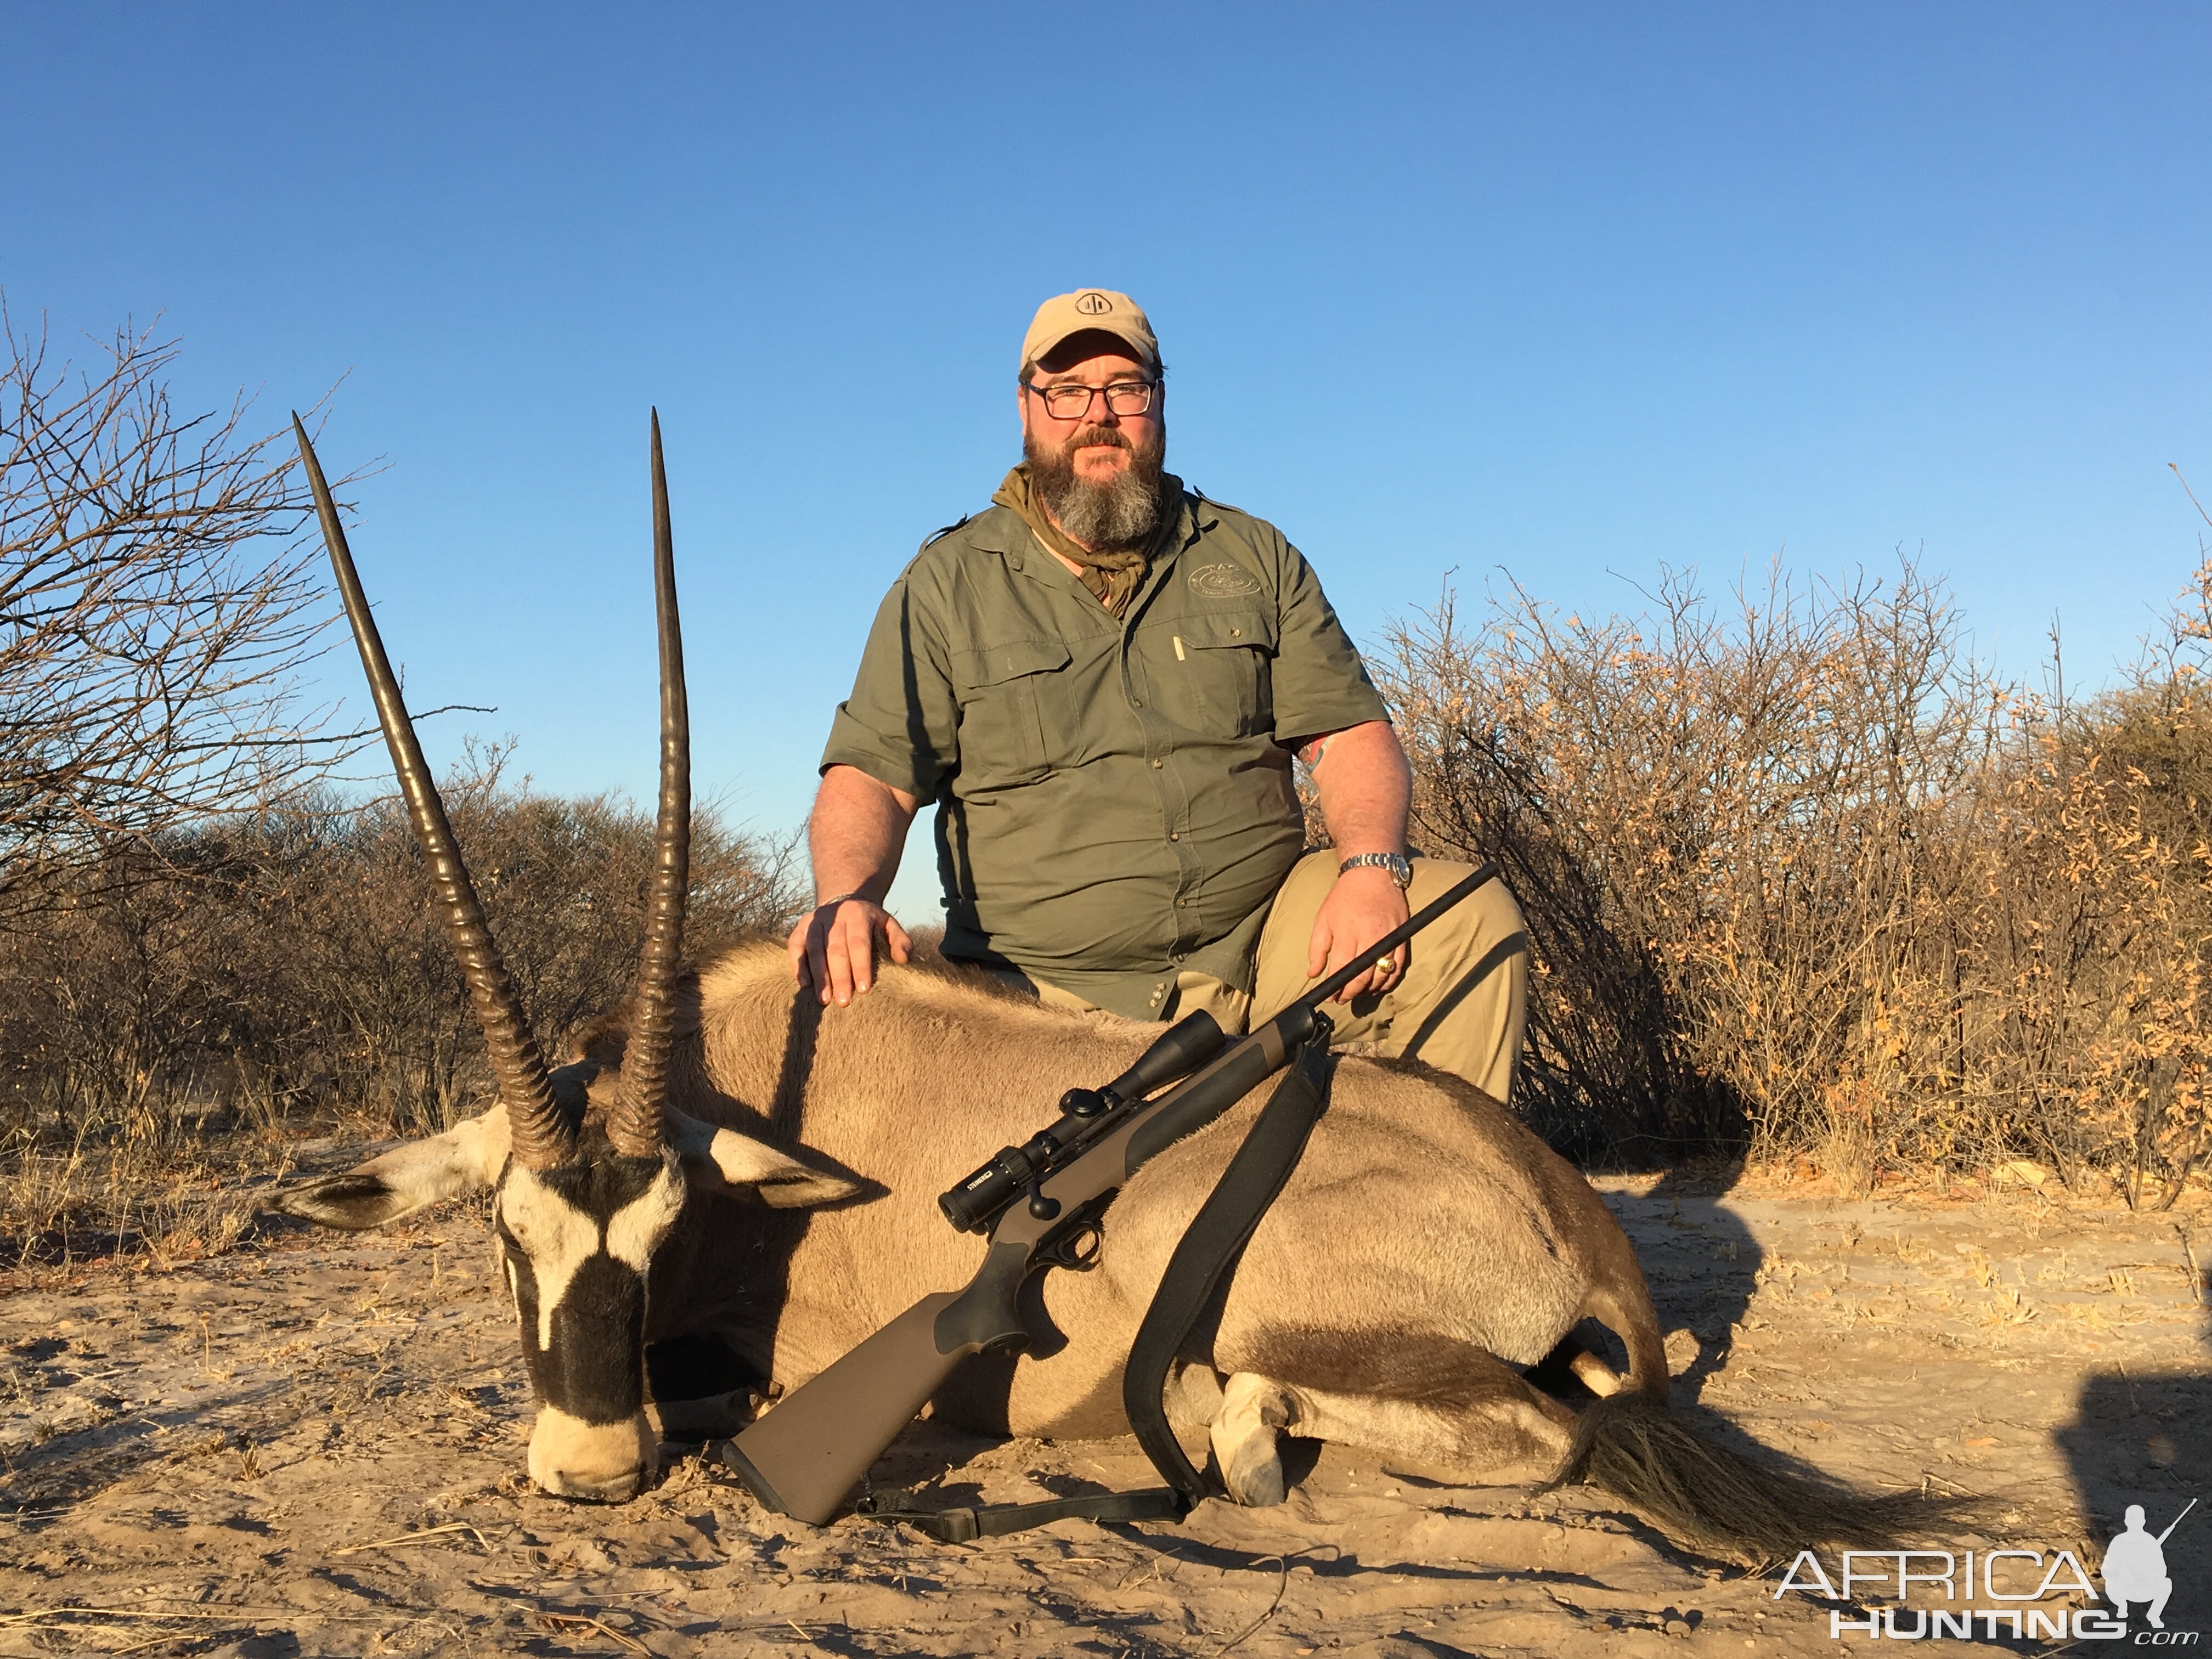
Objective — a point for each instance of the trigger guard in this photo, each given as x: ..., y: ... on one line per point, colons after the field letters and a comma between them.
x: 1069, y: 1251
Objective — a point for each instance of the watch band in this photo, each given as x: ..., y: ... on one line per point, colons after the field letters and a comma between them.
x: 1399, y: 866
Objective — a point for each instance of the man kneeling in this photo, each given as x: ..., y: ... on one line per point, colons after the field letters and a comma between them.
x: 1101, y: 681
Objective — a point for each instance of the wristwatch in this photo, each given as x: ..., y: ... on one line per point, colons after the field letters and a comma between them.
x: 1399, y: 866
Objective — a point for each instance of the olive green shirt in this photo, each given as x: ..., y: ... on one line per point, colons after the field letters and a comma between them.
x: 1115, y: 800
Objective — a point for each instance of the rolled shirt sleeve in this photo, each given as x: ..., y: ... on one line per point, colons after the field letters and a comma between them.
x: 1320, y: 686
x: 902, y: 723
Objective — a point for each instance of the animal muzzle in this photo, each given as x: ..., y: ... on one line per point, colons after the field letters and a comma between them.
x: 599, y: 1463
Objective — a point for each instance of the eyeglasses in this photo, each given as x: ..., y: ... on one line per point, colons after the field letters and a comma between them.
x: 1071, y: 402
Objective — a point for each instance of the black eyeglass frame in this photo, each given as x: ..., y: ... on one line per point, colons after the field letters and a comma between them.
x: 1151, y: 389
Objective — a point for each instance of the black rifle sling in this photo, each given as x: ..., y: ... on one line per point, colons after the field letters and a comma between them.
x: 1209, y: 1252
x: 1206, y: 1255
x: 964, y: 1525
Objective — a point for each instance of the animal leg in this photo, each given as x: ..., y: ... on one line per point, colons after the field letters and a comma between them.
x: 1193, y: 1396
x: 1599, y: 1378
x: 1466, y: 1413
x: 1254, y: 1409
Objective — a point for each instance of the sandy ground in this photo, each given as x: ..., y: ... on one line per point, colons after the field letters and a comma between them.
x: 314, y: 1445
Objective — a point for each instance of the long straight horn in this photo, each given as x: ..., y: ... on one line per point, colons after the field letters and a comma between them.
x: 540, y: 1134
x: 635, y: 1126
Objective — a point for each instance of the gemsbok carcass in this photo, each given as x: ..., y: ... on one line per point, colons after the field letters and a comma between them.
x: 728, y: 1171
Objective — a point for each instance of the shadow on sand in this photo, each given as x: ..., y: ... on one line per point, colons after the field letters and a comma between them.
x: 2148, y: 1440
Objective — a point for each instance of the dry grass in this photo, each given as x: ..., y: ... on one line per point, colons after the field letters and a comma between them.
x: 59, y: 1208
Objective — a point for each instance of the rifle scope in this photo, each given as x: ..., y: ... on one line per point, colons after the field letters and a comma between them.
x: 975, y: 1204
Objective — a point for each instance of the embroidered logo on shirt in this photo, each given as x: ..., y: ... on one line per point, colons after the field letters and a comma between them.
x: 1223, y: 581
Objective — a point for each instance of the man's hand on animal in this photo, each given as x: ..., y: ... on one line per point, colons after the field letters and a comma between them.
x: 857, y: 832
x: 833, y: 948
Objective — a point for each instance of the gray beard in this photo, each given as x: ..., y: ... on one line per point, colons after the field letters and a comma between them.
x: 1124, y: 513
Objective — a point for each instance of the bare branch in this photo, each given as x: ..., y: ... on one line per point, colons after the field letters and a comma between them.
x: 157, y: 601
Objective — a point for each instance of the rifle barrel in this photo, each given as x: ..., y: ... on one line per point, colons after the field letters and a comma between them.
x: 2177, y: 1520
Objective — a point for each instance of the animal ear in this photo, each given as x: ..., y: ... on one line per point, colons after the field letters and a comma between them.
x: 724, y: 1160
x: 406, y: 1179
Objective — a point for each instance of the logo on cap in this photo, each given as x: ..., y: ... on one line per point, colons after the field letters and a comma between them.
x: 1093, y: 304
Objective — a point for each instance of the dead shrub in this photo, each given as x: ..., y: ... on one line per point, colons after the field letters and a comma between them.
x: 1803, y: 878
x: 171, y: 1032
x: 156, y: 603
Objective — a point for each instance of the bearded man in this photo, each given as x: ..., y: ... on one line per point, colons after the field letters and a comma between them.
x: 1101, y: 681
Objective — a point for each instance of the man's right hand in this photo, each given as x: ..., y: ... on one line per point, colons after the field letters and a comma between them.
x: 833, y: 948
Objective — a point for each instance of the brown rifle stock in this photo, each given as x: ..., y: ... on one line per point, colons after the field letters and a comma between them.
x: 814, y: 1447
x: 804, y: 1456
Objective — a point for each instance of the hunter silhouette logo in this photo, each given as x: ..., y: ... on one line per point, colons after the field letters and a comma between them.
x: 1094, y: 304
x: 2134, y: 1566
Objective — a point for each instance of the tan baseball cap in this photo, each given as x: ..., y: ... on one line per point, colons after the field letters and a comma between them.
x: 1089, y: 308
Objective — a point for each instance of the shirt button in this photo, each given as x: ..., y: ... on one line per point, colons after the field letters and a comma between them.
x: 1136, y: 702
x: 1157, y: 764
x: 1236, y: 633
x: 1175, y: 835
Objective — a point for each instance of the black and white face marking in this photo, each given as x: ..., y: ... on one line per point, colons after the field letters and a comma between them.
x: 577, y: 1241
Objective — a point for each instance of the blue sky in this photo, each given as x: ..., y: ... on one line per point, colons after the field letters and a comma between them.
x: 1572, y: 291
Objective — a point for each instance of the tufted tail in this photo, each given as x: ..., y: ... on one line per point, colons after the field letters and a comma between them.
x: 1708, y: 1499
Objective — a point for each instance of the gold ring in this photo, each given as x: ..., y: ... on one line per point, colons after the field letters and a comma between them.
x: 1384, y: 963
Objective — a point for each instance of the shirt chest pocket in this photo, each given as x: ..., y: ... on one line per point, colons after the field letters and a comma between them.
x: 1222, y: 669
x: 1009, y: 715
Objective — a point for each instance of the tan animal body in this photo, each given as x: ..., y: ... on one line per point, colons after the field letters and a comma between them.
x: 1427, y: 1244
x: 731, y: 1183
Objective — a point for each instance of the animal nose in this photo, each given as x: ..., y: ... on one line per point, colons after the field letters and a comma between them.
x: 597, y: 1489
x: 597, y: 1463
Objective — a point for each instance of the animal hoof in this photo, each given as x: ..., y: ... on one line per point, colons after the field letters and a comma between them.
x: 1256, y: 1481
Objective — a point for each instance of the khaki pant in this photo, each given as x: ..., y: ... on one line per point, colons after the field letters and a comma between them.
x: 1460, y: 1005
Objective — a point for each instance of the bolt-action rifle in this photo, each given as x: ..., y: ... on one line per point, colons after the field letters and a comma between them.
x: 804, y: 1456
